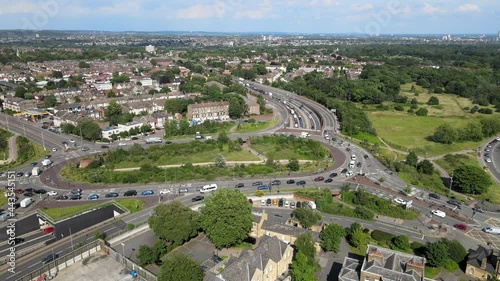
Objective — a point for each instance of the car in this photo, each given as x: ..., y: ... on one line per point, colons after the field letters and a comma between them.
x: 349, y: 173
x: 319, y: 179
x: 298, y: 204
x: 366, y: 156
x: 64, y: 143
x: 62, y: 197
x: 216, y: 259
x: 197, y: 198
x: 85, y: 148
x: 454, y: 203
x: 239, y: 185
x: 28, y: 194
x: 460, y: 226
x: 72, y: 141
x: 19, y: 174
x: 332, y: 175
x: 104, y: 146
x: 164, y: 191
x: 33, y: 164
x: 399, y: 201
x: 488, y: 160
x: 269, y: 202
x: 292, y: 205
x: 131, y: 192
x: 76, y: 191
x: 18, y: 240
x: 359, y: 165
x: 287, y: 204
x: 48, y: 230
x: 148, y: 192
x: 93, y: 197
x: 434, y: 195
x: 276, y: 182
x: 122, y: 144
x: 54, y: 149
x: 168, y: 142
x: 49, y: 258
x: 438, y: 213
x: 18, y: 191
x: 301, y: 183
x: 40, y: 191
x: 257, y: 183
x: 75, y: 197
x: 263, y: 202
x: 487, y: 155
x: 250, y: 201
x: 478, y: 209
x: 52, y: 193
x: 29, y: 189
x: 263, y: 187
x: 281, y: 201
x: 27, y: 175
x: 328, y: 180
x: 487, y: 149
x: 343, y: 171
x: 290, y: 181
x: 48, y: 156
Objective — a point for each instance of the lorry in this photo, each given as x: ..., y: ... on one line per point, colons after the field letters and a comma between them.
x: 26, y: 202
x: 46, y: 162
x: 153, y: 140
x: 36, y: 171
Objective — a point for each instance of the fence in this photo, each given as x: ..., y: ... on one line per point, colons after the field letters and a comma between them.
x: 141, y: 272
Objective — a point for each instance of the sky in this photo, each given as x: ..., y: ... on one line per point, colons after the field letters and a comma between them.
x: 292, y: 16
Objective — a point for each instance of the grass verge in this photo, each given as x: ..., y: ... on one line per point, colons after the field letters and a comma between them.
x: 251, y: 127
x: 133, y: 205
x: 58, y: 213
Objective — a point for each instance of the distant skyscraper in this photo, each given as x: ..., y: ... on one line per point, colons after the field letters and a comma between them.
x: 150, y: 49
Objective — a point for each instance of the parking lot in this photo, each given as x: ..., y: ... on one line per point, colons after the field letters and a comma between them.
x: 478, y: 234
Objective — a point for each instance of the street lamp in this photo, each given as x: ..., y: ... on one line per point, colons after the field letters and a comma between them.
x: 451, y: 180
x: 123, y: 253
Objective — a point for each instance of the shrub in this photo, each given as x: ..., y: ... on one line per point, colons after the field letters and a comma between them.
x: 259, y: 193
x: 399, y: 107
x: 130, y: 226
x: 450, y: 265
x: 379, y: 235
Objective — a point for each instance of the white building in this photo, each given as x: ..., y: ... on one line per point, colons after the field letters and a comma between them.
x: 109, y: 131
x: 150, y: 49
x: 146, y: 82
x: 103, y: 86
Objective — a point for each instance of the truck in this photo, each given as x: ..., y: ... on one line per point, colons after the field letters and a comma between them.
x: 26, y: 202
x: 36, y: 171
x: 153, y: 140
x: 46, y: 162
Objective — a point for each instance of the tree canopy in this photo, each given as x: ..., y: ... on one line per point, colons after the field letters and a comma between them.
x: 301, y: 270
x: 180, y: 267
x: 471, y: 179
x: 437, y: 253
x: 331, y: 237
x: 49, y: 101
x: 306, y: 216
x: 174, y: 222
x: 226, y: 217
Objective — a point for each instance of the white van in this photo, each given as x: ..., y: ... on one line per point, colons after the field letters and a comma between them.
x: 351, y: 164
x: 208, y: 188
x: 492, y: 230
x: 26, y: 202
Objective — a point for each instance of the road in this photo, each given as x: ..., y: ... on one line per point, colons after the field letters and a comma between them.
x: 491, y: 150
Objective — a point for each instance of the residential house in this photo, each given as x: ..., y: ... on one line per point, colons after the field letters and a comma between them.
x: 267, y: 262
x: 200, y: 112
x: 19, y: 104
x: 383, y: 264
x: 116, y: 130
x: 483, y: 262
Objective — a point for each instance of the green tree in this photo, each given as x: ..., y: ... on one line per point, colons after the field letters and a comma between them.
x: 437, y: 253
x: 331, y: 237
x: 425, y: 167
x: 99, y: 235
x: 90, y: 130
x: 223, y: 138
x: 145, y: 255
x: 237, y: 107
x: 358, y: 238
x: 305, y: 245
x: 177, y: 105
x: 113, y: 112
x: 412, y: 159
x: 471, y: 132
x: 83, y: 64
x: 293, y: 165
x: 456, y: 251
x: 490, y: 126
x: 433, y: 101
x: 401, y: 242
x: 174, y: 222
x: 226, y: 217
x: 57, y: 74
x: 179, y: 266
x: 306, y: 216
x: 20, y: 91
x: 301, y: 269
x: 220, y: 161
x: 471, y: 179
x: 422, y: 112
x: 153, y: 62
x: 445, y: 134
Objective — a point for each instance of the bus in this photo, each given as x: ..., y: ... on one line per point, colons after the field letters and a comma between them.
x: 208, y: 188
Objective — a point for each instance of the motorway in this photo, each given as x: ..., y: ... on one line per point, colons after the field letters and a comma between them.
x: 491, y: 148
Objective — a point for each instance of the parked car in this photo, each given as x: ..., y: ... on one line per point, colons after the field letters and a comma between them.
x: 298, y: 204
x: 48, y: 156
x: 28, y: 194
x: 478, y: 209
x: 111, y: 195
x: 216, y: 259
x: 52, y: 193
x: 263, y: 187
x: 48, y: 230
x: 62, y: 197
x: 281, y: 202
x: 460, y: 226
x: 332, y: 175
x: 75, y: 197
x: 18, y: 240
x: 328, y: 180
x: 276, y: 182
x: 269, y: 202
x: 85, y: 148
x: 454, y: 203
x: 40, y: 191
x: 104, y: 146
x: 19, y: 174
x: 263, y: 202
x: 18, y: 191
x: 292, y: 205
x: 29, y: 189
x: 148, y: 192
x: 168, y: 142
x: 257, y: 183
x: 319, y: 179
x: 54, y: 149
x: 343, y: 171
x: 301, y: 182
x: 131, y: 192
x: 239, y: 185
x: 438, y: 213
x: 400, y: 201
x: 93, y: 197
x: 358, y: 165
x: 365, y: 156
x: 33, y: 164
x: 287, y: 204
x: 49, y: 258
x: 290, y: 181
x: 197, y: 198
x: 434, y: 195
x: 164, y: 191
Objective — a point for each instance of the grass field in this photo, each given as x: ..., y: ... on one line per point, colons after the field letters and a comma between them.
x: 257, y: 126
x: 451, y: 162
x: 27, y: 153
x: 57, y: 213
x: 282, y: 153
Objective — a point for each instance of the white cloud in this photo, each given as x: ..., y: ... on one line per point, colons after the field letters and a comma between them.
x: 323, y: 3
x: 362, y: 7
x: 201, y: 12
x: 429, y: 9
x: 468, y: 8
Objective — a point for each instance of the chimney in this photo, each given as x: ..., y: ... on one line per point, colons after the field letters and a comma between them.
x: 484, y: 262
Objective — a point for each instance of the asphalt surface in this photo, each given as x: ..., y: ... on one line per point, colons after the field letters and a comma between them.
x: 494, y: 151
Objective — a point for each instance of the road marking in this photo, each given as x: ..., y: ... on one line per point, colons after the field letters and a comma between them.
x: 109, y: 229
x: 34, y: 264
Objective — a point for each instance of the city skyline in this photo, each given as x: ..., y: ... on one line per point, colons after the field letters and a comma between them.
x: 312, y: 16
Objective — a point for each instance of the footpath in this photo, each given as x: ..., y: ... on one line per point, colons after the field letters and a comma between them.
x: 12, y: 151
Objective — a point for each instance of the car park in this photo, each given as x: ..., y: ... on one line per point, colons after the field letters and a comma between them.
x: 290, y: 181
x: 319, y: 179
x: 111, y: 195
x: 52, y: 193
x: 438, y: 213
x: 130, y: 193
x: 328, y: 180
x: 332, y: 175
x: 460, y: 226
x: 164, y: 191
x: 434, y: 195
x: 197, y: 198
x: 301, y: 182
x: 93, y: 197
x: 49, y: 258
x: 239, y: 185
x: 257, y: 183
x: 62, y: 197
x: 263, y: 187
x: 147, y: 192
